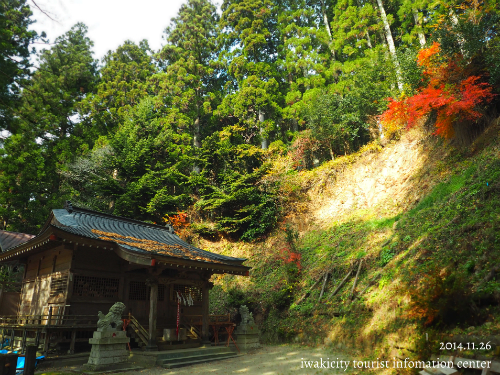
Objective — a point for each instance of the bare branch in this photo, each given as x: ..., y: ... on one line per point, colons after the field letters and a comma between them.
x: 44, y: 12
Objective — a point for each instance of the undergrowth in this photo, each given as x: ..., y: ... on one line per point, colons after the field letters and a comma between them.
x: 425, y: 269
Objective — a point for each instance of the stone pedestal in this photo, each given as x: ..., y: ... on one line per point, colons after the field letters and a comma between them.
x: 247, y: 337
x: 170, y: 335
x: 247, y: 334
x: 109, y: 350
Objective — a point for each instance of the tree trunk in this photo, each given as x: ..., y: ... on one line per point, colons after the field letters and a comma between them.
x: 421, y: 36
x: 390, y: 43
x: 264, y: 141
x: 196, y: 133
x: 332, y: 155
x: 454, y: 21
x: 369, y: 40
x: 328, y: 30
x: 196, y: 140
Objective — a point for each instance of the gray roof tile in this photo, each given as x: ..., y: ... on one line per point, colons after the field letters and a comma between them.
x: 162, y: 240
x: 9, y: 240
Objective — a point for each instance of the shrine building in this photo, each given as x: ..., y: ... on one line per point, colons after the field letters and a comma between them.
x: 84, y: 261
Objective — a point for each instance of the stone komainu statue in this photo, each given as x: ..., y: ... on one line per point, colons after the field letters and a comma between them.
x: 246, y: 316
x: 112, y: 321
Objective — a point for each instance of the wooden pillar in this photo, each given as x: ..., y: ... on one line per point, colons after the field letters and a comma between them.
x: 37, y: 338
x: 73, y: 341
x: 204, y: 313
x: 49, y: 317
x: 153, y: 314
x: 46, y: 342
x: 23, y: 342
x: 12, y: 338
x: 29, y: 364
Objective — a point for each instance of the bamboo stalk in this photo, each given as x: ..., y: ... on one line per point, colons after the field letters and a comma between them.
x: 341, y: 284
x: 309, y: 291
x: 356, y: 280
x: 370, y: 283
x: 324, y: 284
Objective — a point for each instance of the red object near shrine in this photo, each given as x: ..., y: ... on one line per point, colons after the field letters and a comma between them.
x: 178, y: 316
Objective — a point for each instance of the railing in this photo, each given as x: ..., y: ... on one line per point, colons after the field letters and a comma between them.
x: 212, y: 319
x: 47, y: 320
x: 192, y: 322
x: 190, y: 326
x: 139, y: 330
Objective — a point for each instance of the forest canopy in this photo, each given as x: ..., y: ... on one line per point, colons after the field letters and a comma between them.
x: 197, y: 124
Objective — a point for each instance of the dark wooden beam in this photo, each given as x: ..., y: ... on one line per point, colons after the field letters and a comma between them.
x: 205, y: 303
x: 73, y: 341
x: 153, y: 314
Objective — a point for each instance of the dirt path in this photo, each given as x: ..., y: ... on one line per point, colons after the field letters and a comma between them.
x: 270, y: 360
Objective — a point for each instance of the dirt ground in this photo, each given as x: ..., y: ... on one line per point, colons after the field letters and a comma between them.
x: 269, y: 360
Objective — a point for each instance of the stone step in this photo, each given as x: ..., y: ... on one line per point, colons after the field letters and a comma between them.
x: 196, y: 357
x: 212, y: 350
x: 189, y: 361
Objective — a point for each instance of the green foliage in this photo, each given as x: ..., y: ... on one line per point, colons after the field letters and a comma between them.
x: 333, y: 122
x: 253, y: 92
x: 15, y: 38
x: 48, y: 135
x: 189, y: 86
x: 474, y: 36
x: 230, y: 188
x: 10, y: 278
x: 142, y: 171
x: 442, y: 191
x: 124, y: 82
x: 146, y: 134
x: 236, y: 298
x: 291, y: 236
x: 386, y: 255
x: 412, y: 72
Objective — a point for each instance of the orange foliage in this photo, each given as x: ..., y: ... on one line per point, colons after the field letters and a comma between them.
x: 176, y: 251
x: 179, y: 221
x: 449, y: 93
x: 289, y: 256
x: 424, y: 296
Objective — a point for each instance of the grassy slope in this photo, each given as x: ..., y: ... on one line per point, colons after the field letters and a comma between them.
x: 428, y: 238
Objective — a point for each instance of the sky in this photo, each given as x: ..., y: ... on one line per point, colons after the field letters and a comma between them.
x: 110, y: 22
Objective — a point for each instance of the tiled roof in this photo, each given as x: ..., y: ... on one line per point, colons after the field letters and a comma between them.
x: 12, y: 239
x: 133, y: 235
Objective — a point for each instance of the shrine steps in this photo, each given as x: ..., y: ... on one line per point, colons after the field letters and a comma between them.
x: 195, y: 356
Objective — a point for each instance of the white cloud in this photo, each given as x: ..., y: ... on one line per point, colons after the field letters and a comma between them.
x: 110, y: 22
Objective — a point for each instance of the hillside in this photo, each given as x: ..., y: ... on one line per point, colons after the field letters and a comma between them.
x: 421, y: 214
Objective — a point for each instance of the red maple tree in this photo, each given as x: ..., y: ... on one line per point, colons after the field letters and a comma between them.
x: 449, y: 92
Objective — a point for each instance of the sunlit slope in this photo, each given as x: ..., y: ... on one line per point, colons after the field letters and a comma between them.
x: 424, y: 219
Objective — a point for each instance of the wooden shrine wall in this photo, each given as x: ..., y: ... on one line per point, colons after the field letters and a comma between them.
x: 97, y: 280
x: 46, y: 282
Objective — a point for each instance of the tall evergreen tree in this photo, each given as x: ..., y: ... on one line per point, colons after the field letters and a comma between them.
x: 140, y: 171
x: 253, y: 97
x: 15, y: 38
x: 50, y: 133
x: 190, y: 85
x: 304, y: 56
x: 124, y: 82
